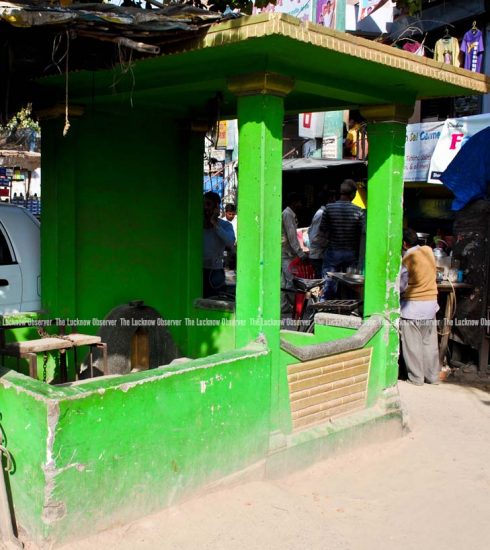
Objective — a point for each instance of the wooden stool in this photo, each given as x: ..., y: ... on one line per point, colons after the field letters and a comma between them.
x: 92, y: 341
x: 29, y: 349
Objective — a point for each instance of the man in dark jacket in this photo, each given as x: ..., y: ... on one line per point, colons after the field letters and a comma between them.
x: 344, y: 223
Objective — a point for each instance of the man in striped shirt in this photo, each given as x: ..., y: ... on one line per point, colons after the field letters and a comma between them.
x: 344, y: 223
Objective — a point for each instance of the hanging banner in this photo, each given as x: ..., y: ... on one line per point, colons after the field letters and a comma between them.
x: 310, y: 125
x: 302, y: 9
x: 333, y: 126
x: 366, y: 7
x: 222, y: 134
x: 420, y: 142
x: 326, y: 13
x: 455, y: 132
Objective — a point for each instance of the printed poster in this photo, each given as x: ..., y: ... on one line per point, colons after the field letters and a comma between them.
x: 366, y: 7
x: 455, y: 132
x: 420, y: 142
x: 310, y: 125
x: 302, y: 9
x: 326, y: 13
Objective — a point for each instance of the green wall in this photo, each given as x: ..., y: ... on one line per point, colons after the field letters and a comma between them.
x: 23, y: 421
x: 121, y: 216
x: 113, y: 450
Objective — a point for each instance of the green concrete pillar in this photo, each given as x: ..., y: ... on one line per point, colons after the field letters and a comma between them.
x: 59, y: 219
x: 260, y: 119
x: 386, y: 134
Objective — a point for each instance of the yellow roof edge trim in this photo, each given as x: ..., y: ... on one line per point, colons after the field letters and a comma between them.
x: 266, y: 24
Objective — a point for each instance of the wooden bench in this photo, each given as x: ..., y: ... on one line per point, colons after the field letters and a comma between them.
x: 28, y: 349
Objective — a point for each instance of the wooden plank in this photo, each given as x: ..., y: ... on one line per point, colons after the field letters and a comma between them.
x: 83, y: 339
x: 37, y: 346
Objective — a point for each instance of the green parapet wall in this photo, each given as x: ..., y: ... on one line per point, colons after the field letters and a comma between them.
x: 210, y: 331
x: 24, y: 424
x: 112, y: 450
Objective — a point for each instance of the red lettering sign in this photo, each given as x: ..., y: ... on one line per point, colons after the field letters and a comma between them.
x: 455, y: 139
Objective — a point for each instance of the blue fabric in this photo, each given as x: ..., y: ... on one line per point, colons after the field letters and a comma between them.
x: 215, y: 184
x: 468, y: 175
x: 336, y: 261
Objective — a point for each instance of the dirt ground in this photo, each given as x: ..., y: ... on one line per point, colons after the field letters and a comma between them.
x: 427, y: 490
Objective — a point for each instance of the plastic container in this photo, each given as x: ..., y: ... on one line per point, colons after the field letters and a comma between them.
x: 452, y: 275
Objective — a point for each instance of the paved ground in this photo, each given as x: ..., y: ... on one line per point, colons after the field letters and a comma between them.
x: 428, y: 490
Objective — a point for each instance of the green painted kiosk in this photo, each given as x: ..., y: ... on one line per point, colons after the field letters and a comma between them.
x: 122, y: 223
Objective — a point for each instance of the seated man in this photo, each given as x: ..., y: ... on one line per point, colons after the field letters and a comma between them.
x: 217, y: 235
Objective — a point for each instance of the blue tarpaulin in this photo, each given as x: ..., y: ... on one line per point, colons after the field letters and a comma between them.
x: 468, y: 175
x: 214, y: 183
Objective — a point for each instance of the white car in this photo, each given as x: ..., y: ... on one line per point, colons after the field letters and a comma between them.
x: 20, y: 269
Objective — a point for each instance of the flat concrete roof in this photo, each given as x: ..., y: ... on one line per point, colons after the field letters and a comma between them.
x: 331, y: 70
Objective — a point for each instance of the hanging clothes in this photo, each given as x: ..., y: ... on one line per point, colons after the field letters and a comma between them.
x: 472, y: 47
x: 446, y: 51
x: 417, y: 48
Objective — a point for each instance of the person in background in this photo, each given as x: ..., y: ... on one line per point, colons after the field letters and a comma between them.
x: 355, y: 143
x: 290, y: 249
x: 217, y: 235
x: 317, y: 239
x: 418, y: 311
x: 230, y: 215
x: 344, y: 224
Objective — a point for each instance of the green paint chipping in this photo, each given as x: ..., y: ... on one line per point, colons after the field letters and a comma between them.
x: 383, y: 247
x: 148, y: 439
x: 23, y: 421
x: 122, y: 221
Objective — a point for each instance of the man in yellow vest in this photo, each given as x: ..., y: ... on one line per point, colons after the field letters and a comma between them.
x: 419, y: 306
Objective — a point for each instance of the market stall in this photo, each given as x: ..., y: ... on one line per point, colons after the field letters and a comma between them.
x: 16, y: 173
x: 245, y: 394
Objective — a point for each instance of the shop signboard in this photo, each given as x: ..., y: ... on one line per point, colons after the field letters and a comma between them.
x: 333, y: 126
x: 222, y: 134
x: 455, y: 132
x: 310, y: 125
x: 302, y: 9
x: 326, y: 13
x: 366, y: 7
x: 420, y: 142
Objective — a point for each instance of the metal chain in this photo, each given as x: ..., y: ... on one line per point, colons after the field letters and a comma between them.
x: 45, y: 366
x: 9, y: 464
x: 43, y: 334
